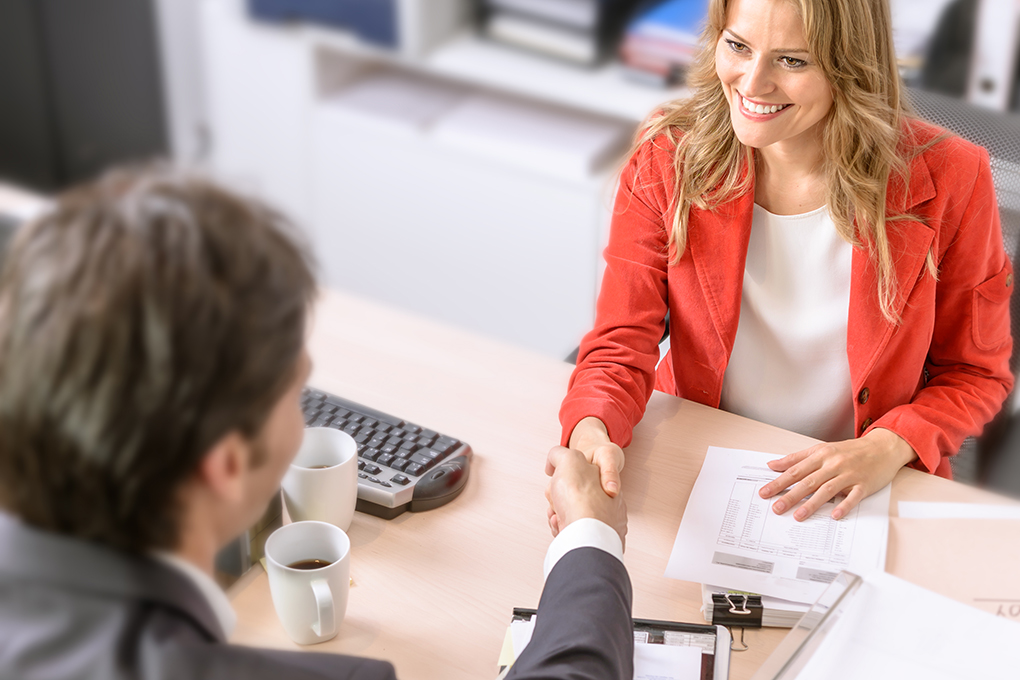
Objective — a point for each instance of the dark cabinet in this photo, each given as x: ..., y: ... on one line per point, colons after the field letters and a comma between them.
x: 80, y: 89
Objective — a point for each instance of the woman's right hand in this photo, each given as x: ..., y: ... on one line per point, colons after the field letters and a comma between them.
x: 591, y: 438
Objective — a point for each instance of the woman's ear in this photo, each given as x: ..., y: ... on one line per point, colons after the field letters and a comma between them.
x: 223, y: 467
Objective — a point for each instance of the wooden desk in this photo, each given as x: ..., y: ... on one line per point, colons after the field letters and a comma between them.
x: 433, y: 591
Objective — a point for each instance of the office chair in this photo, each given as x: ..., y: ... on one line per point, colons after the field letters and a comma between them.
x: 994, y: 458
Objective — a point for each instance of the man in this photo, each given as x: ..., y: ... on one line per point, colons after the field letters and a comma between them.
x: 152, y: 351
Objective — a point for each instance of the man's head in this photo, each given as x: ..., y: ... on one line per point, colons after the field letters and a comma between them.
x: 149, y: 319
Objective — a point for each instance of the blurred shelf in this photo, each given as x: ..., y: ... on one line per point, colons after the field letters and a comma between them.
x: 604, y: 90
x: 472, y: 59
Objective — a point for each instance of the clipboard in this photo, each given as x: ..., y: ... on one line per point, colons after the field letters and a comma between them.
x: 713, y: 640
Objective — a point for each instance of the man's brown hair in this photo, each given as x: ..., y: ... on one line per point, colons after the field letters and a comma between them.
x: 143, y: 318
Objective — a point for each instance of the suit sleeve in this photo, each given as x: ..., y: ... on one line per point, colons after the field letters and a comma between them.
x: 584, y: 629
x: 967, y: 369
x: 615, y: 370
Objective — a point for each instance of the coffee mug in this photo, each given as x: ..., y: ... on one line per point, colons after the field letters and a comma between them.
x: 322, y: 482
x: 309, y: 567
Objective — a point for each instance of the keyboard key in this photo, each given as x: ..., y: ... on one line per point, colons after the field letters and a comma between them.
x: 386, y: 484
x: 399, y: 464
x: 376, y: 442
x: 362, y: 437
x: 424, y: 461
x: 361, y: 465
x: 403, y: 453
x: 352, y: 428
x: 409, y: 446
x: 385, y: 459
x: 400, y: 479
x: 390, y: 448
x: 412, y: 428
x: 415, y: 469
x: 369, y: 454
x: 434, y: 454
x: 431, y: 434
x: 373, y: 469
x: 329, y: 409
x: 370, y: 422
x: 321, y: 421
x: 356, y: 418
x: 362, y: 475
x: 445, y: 444
x: 384, y: 428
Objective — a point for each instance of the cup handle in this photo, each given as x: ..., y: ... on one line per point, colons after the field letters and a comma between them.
x: 326, y: 625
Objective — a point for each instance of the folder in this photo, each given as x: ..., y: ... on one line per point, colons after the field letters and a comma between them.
x: 650, y: 639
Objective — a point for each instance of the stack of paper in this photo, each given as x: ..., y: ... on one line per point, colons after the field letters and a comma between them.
x: 731, y: 536
x: 776, y: 612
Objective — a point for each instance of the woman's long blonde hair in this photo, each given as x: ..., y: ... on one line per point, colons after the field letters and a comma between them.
x: 851, y: 40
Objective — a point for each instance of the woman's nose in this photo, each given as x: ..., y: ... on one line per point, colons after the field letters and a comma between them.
x: 757, y: 78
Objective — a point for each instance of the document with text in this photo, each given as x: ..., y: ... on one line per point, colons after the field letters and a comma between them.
x: 730, y: 535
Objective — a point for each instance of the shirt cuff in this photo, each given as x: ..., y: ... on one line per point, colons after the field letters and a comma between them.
x: 583, y: 533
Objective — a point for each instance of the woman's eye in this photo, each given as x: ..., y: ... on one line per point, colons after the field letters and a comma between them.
x: 735, y: 46
x: 792, y: 62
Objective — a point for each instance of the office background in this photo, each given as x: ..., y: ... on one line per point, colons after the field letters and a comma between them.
x: 433, y: 166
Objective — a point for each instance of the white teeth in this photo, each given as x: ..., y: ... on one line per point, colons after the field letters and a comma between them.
x: 759, y: 108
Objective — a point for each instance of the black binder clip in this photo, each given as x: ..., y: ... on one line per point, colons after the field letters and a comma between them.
x: 737, y: 610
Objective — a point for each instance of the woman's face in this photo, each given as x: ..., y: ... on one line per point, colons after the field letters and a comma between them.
x: 777, y: 93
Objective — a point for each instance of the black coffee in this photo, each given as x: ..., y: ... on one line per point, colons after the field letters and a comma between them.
x: 318, y: 467
x: 310, y: 564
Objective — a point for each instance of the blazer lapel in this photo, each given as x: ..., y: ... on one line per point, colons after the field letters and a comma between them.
x: 718, y: 240
x: 868, y: 332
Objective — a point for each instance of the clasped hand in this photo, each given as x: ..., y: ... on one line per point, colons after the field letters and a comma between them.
x: 855, y: 468
x: 575, y: 491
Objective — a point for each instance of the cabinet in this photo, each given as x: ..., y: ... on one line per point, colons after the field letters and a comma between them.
x: 473, y: 184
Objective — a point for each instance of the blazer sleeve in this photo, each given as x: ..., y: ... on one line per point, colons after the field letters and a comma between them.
x: 584, y: 629
x: 615, y: 370
x: 967, y: 374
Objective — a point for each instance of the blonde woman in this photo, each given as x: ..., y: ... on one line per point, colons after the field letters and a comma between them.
x: 830, y: 264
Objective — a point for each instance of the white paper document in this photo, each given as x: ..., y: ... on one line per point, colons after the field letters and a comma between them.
x: 666, y: 662
x: 730, y: 535
x: 894, y: 630
x: 923, y: 510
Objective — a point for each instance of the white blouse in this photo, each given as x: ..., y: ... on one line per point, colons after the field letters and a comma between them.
x: 789, y: 364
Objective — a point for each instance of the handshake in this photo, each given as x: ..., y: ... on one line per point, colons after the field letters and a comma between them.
x: 575, y: 492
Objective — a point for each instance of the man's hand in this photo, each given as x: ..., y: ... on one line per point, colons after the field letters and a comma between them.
x: 591, y: 438
x: 575, y: 491
x: 856, y: 468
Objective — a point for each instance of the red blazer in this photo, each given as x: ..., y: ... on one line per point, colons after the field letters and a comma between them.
x: 935, y: 379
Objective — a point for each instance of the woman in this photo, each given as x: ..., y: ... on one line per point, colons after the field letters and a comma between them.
x: 830, y: 264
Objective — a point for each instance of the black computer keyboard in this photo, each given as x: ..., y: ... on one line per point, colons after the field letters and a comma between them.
x: 401, y: 466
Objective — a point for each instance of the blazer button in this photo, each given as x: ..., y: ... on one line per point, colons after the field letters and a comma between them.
x: 863, y: 396
x: 866, y: 424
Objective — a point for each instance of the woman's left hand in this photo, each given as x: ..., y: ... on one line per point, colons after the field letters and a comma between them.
x: 856, y: 467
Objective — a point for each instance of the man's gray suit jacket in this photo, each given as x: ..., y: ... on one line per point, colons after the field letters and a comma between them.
x: 70, y: 609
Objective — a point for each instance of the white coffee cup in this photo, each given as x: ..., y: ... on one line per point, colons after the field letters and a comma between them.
x: 322, y: 482
x: 310, y: 603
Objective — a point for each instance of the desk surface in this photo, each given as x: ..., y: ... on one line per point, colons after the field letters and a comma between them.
x: 433, y: 591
